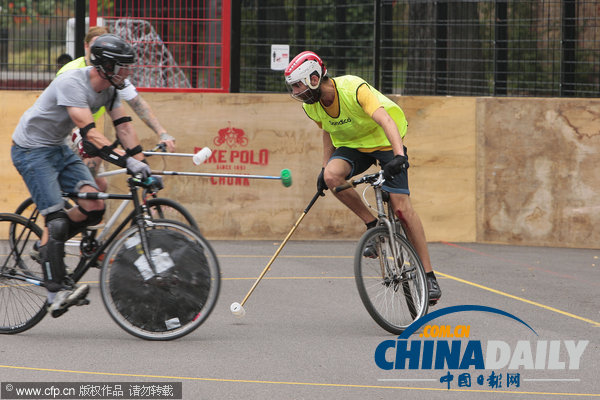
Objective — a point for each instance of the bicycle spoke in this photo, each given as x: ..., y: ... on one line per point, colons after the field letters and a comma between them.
x: 396, y: 297
x: 22, y: 304
x: 169, y: 297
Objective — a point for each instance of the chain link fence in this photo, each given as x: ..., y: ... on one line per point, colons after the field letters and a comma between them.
x: 32, y: 41
x: 419, y: 47
x: 546, y: 48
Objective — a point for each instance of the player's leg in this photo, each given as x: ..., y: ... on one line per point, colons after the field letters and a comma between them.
x: 413, y: 227
x: 344, y: 164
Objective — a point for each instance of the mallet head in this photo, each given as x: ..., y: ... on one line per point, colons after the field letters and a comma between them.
x: 237, y: 309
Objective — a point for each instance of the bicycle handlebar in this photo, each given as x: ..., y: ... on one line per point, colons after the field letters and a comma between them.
x: 148, y: 183
x: 371, y: 178
x: 343, y: 187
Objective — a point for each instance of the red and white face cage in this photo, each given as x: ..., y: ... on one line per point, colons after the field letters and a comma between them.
x: 298, y: 76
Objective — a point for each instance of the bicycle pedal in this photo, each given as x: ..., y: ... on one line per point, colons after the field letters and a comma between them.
x: 82, y: 302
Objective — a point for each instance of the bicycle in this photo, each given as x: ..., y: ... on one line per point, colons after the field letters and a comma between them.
x: 163, y: 208
x: 159, y: 279
x: 158, y: 207
x: 385, y: 262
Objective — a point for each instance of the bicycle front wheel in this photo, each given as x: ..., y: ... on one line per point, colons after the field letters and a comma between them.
x: 392, y: 288
x: 170, y: 301
x: 163, y: 208
x: 22, y: 299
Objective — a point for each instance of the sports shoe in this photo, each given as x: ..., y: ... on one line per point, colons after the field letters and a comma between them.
x: 434, y: 290
x: 67, y: 298
x: 35, y: 252
x: 370, y: 251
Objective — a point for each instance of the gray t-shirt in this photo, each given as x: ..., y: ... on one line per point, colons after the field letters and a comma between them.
x: 47, y: 122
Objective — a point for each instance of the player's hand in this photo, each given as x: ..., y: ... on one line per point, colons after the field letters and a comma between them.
x: 156, y: 182
x: 135, y: 167
x: 395, y: 166
x: 168, y: 141
x: 321, y: 185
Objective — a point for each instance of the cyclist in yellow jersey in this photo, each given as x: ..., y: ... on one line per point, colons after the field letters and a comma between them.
x: 129, y: 94
x: 360, y: 127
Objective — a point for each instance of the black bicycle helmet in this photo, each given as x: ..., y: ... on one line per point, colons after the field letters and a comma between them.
x: 108, y: 53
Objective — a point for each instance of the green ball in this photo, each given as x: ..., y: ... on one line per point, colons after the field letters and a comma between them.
x: 286, y: 177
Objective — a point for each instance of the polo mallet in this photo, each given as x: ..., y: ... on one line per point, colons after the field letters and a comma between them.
x: 286, y: 175
x: 237, y: 309
x: 197, y: 158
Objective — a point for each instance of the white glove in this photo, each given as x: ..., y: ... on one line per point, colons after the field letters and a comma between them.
x: 135, y: 167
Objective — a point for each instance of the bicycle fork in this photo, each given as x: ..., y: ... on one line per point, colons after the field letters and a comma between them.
x: 385, y: 221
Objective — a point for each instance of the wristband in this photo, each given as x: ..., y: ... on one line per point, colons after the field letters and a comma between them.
x: 165, y: 136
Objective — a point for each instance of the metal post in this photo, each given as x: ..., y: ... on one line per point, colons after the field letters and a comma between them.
x: 441, y: 51
x: 236, y: 28
x: 340, y: 38
x: 501, y: 49
x: 377, y: 45
x: 569, y: 40
x: 80, y: 8
x: 387, y: 41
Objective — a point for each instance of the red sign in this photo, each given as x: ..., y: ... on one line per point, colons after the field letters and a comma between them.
x: 231, y: 158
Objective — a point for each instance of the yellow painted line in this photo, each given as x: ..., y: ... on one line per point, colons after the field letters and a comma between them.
x: 549, y: 308
x: 259, y: 256
x: 289, y: 277
x: 556, y: 310
x: 313, y: 384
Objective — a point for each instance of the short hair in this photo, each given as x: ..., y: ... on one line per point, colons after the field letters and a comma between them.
x: 93, y: 32
x: 64, y: 58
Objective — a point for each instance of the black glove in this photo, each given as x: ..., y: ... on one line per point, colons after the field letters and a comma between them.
x: 397, y: 164
x: 321, y: 185
x: 135, y: 167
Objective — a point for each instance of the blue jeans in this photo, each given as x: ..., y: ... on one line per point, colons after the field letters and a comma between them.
x: 50, y: 171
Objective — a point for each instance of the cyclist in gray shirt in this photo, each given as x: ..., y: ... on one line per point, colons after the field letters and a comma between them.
x: 49, y: 167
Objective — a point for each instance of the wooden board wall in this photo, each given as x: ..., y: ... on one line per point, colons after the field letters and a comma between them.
x: 482, y: 169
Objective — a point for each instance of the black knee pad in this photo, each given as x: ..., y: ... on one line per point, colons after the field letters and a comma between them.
x: 58, y: 225
x: 94, y: 217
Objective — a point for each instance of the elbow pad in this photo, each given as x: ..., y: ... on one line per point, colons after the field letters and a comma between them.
x: 106, y: 153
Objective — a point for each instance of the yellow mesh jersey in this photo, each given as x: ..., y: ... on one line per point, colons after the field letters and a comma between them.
x: 348, y: 120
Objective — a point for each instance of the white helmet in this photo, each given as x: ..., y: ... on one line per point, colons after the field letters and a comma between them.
x: 301, y: 69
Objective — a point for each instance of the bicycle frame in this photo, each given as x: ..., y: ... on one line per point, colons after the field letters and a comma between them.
x: 389, y: 219
x: 86, y: 261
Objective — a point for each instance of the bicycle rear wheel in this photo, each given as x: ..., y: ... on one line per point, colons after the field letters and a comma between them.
x: 393, y: 290
x: 174, y: 300
x: 22, y: 300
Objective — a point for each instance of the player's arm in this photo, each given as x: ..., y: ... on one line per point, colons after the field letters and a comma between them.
x: 372, y: 106
x: 96, y: 144
x: 328, y: 148
x: 144, y: 111
x: 383, y: 118
x: 126, y: 133
x: 82, y: 117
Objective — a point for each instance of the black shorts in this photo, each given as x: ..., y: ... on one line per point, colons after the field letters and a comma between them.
x: 360, y: 162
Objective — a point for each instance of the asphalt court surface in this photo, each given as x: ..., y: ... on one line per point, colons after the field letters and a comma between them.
x: 306, y: 335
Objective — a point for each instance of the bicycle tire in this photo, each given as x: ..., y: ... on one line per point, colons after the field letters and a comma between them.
x: 379, y: 279
x: 164, y: 208
x: 22, y: 303
x: 167, y: 305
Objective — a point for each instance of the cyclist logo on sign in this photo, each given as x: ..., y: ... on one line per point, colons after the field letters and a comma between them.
x: 231, y: 157
x: 232, y: 136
